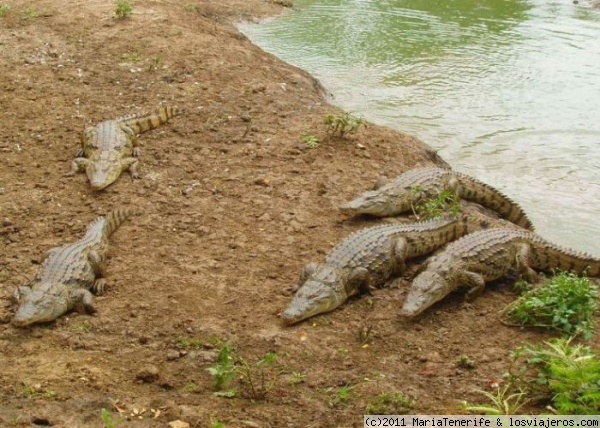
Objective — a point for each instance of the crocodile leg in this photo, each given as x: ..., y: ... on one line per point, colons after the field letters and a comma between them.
x: 99, y: 286
x: 131, y: 165
x: 78, y: 164
x: 474, y: 282
x: 358, y: 282
x: 97, y: 263
x: 522, y: 260
x: 19, y: 293
x: 400, y: 255
x: 99, y: 269
x: 305, y: 273
x: 84, y: 298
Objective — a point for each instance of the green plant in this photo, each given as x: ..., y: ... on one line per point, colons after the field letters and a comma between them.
x: 342, y: 395
x: 464, y: 362
x: 215, y: 423
x: 445, y: 201
x: 190, y: 388
x: 344, y: 124
x: 364, y: 334
x: 81, y: 327
x: 502, y: 402
x: 123, y: 9
x: 566, y: 303
x: 107, y: 419
x: 4, y: 9
x: 395, y: 403
x: 189, y: 343
x: 571, y: 374
x: 311, y: 141
x: 36, y: 391
x: 132, y: 57
x: 31, y: 13
x: 296, y: 378
x: 189, y: 7
x: 223, y: 371
x: 521, y: 286
x: 255, y: 378
x: 341, y: 351
x: 154, y: 64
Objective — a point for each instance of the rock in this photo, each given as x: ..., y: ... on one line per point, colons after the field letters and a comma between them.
x: 148, y: 374
x: 172, y: 354
x: 178, y: 424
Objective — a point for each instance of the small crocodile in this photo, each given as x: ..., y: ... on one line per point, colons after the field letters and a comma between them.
x: 487, y: 255
x: 66, y: 277
x: 364, y: 260
x: 408, y: 189
x: 110, y: 147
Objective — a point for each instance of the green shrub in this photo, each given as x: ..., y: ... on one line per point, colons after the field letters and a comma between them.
x: 566, y: 303
x: 571, y: 375
x: 123, y: 9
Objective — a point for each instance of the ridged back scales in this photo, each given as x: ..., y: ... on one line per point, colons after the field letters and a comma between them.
x: 492, y: 253
x: 370, y: 248
x: 432, y: 179
x: 69, y: 264
x: 118, y: 134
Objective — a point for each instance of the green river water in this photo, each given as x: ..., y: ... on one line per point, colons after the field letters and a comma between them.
x: 507, y: 90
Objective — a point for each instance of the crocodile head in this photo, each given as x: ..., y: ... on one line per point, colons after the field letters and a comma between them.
x: 323, y: 291
x: 427, y: 288
x: 380, y: 203
x: 104, y: 171
x: 38, y: 306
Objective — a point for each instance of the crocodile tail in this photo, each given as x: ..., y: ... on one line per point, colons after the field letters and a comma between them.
x: 146, y: 122
x: 548, y: 257
x: 484, y: 194
x: 114, y: 219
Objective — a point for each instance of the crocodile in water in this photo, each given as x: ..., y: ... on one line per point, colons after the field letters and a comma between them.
x: 415, y: 185
x: 68, y: 274
x: 487, y: 255
x: 110, y: 147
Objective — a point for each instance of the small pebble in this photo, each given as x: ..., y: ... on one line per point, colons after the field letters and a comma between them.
x: 148, y: 374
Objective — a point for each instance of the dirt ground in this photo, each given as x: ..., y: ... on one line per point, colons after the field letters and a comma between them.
x: 232, y: 204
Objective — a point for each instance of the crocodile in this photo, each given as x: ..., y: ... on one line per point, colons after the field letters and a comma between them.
x: 367, y: 259
x: 110, y: 147
x: 67, y: 275
x: 485, y: 256
x: 407, y: 190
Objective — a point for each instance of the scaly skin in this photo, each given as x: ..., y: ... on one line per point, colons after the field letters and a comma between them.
x: 110, y: 147
x: 68, y: 274
x: 408, y: 189
x: 488, y: 255
x: 364, y: 260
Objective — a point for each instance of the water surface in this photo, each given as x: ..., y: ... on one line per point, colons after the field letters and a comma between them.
x: 506, y: 90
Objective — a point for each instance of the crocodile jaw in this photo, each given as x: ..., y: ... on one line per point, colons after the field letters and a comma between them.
x: 376, y: 203
x: 39, y: 307
x: 312, y: 298
x: 103, y: 172
x: 427, y: 288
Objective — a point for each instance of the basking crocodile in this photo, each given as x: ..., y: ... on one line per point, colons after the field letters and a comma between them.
x: 109, y: 148
x: 68, y: 274
x: 487, y: 255
x: 364, y: 260
x: 408, y: 189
